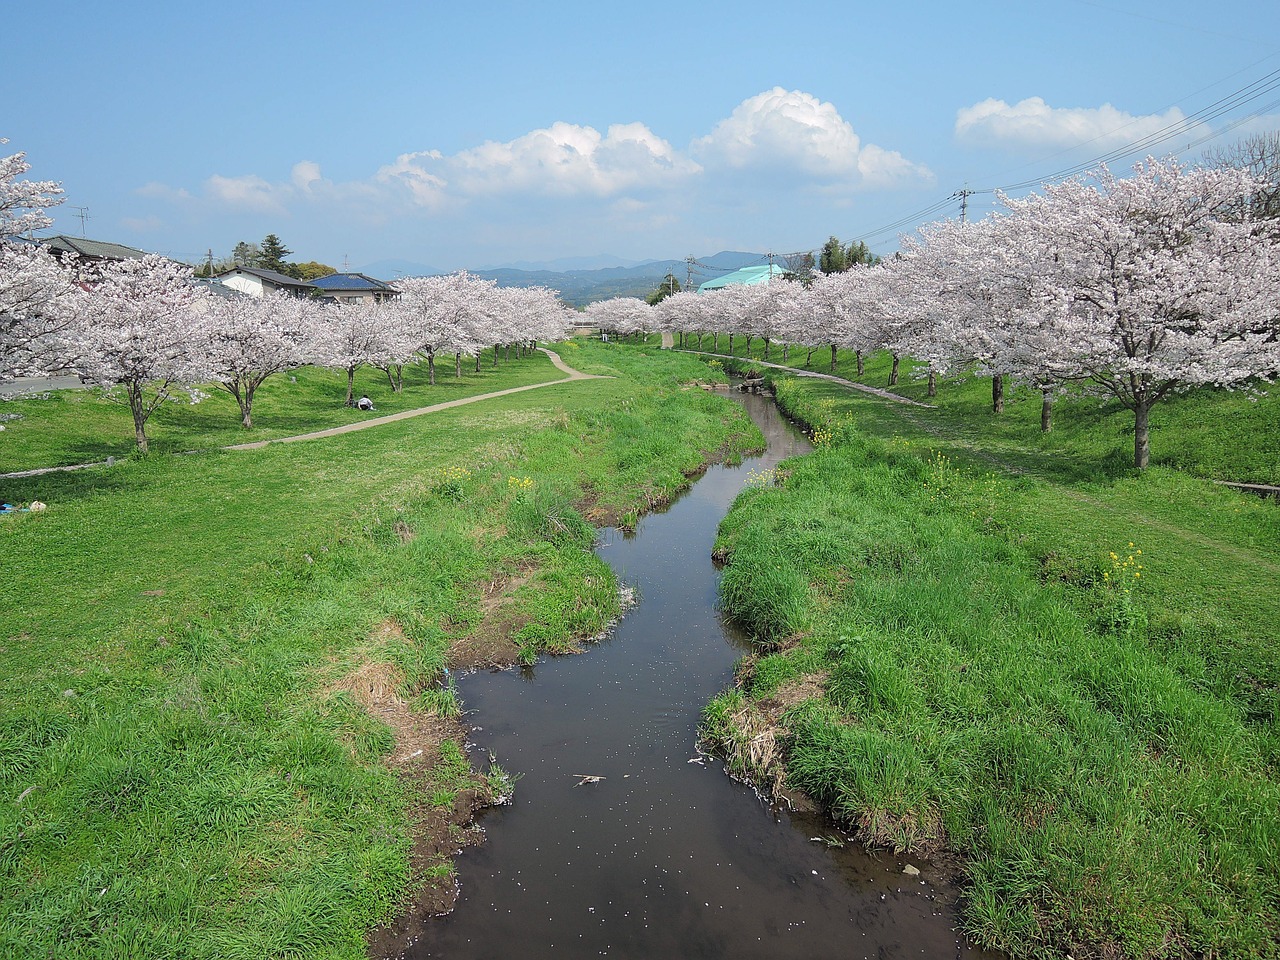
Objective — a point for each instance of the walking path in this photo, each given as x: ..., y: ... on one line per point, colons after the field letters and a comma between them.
x: 406, y: 414
x: 571, y: 374
x: 874, y: 391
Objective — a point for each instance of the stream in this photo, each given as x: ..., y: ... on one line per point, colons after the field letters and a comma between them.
x: 664, y: 855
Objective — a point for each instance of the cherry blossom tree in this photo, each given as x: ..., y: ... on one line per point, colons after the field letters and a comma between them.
x: 440, y: 312
x: 682, y: 312
x: 139, y: 328
x: 533, y: 313
x: 1156, y: 291
x: 348, y: 336
x: 37, y: 293
x: 248, y: 339
x: 621, y: 316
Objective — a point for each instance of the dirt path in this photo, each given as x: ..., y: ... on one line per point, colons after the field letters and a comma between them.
x: 406, y: 414
x: 874, y: 391
x: 571, y: 374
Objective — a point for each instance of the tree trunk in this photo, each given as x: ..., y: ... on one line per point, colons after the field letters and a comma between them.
x: 431, y: 368
x: 833, y: 358
x: 933, y: 383
x: 861, y: 362
x: 731, y: 344
x: 1141, y: 435
x: 766, y: 348
x: 508, y: 356
x: 997, y: 393
x: 893, y: 373
x: 457, y: 366
x: 478, y: 352
x: 495, y: 354
x: 246, y: 408
x: 351, y: 385
x: 809, y: 359
x: 1046, y: 410
x: 139, y: 411
x: 786, y: 350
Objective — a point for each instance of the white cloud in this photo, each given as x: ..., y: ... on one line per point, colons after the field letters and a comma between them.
x: 795, y: 131
x: 1033, y: 123
x: 306, y: 175
x: 249, y: 192
x: 161, y: 191
x: 578, y: 182
x: 562, y: 160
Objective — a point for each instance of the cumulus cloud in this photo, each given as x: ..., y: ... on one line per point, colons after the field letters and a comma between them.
x: 795, y: 131
x: 563, y: 160
x: 621, y: 177
x: 306, y: 176
x: 1033, y: 123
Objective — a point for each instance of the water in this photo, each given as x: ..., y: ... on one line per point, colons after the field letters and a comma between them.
x: 664, y: 856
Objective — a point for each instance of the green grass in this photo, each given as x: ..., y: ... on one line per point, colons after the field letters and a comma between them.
x: 181, y: 772
x: 956, y: 660
x: 87, y: 426
x: 1208, y: 433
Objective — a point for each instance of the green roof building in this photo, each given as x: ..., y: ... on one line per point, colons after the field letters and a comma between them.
x: 747, y: 276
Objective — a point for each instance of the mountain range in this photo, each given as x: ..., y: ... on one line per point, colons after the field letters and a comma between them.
x: 584, y: 280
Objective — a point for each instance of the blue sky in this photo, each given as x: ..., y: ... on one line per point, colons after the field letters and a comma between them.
x: 460, y: 135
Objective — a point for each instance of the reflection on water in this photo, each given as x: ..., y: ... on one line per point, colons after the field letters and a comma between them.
x: 664, y: 856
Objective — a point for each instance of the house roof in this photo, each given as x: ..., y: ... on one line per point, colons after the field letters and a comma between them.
x: 91, y: 249
x: 747, y: 276
x: 279, y: 279
x: 217, y: 288
x: 336, y: 282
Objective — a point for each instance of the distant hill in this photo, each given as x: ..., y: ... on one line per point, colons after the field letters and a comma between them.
x: 579, y: 285
x: 390, y: 269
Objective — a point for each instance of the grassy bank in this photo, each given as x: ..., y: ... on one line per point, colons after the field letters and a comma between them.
x: 1064, y: 671
x: 87, y: 426
x: 1207, y: 433
x: 224, y: 716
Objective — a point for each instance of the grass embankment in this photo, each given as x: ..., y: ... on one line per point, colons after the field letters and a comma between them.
x: 86, y: 426
x: 1069, y: 675
x: 218, y: 670
x: 1208, y: 433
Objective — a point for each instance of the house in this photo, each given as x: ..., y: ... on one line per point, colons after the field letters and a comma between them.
x: 353, y: 288
x: 747, y: 276
x: 89, y: 251
x: 258, y: 282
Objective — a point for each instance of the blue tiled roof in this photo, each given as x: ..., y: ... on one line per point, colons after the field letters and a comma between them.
x: 350, y: 281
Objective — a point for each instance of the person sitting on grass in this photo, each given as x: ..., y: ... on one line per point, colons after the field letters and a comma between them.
x: 364, y: 403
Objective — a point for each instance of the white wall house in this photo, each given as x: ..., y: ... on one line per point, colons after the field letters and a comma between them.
x: 257, y: 282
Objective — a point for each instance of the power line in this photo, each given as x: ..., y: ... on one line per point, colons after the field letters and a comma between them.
x: 1242, y: 96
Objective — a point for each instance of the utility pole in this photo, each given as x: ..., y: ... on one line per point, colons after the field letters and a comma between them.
x: 209, y: 261
x: 83, y: 214
x: 964, y: 196
x: 688, y: 272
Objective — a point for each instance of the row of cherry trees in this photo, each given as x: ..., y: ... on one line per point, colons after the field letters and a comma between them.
x: 1135, y: 288
x: 144, y: 325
